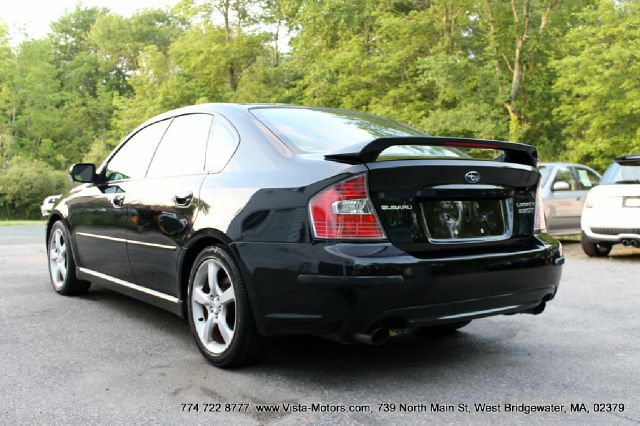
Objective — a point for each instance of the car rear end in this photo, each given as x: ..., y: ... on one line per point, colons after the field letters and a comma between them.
x: 612, y: 210
x: 416, y: 234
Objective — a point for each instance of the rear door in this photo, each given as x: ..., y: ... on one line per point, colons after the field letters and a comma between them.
x: 164, y: 206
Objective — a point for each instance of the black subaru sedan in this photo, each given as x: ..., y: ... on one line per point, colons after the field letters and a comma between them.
x: 263, y: 220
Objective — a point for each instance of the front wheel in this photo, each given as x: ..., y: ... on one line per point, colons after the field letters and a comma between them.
x: 219, y: 313
x: 62, y: 268
x: 595, y: 249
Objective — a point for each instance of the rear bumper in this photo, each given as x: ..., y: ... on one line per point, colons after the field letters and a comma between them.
x: 610, y: 236
x: 611, y: 224
x: 324, y: 288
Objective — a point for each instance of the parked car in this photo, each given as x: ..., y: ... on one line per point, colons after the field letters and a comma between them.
x: 611, y: 213
x: 564, y: 188
x: 266, y: 220
x: 48, y: 204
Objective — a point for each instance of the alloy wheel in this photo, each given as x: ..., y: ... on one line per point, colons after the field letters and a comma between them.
x: 213, y: 306
x: 58, y: 258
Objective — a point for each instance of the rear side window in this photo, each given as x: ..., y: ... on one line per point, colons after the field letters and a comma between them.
x: 183, y: 147
x: 132, y: 159
x: 223, y: 141
x: 586, y: 178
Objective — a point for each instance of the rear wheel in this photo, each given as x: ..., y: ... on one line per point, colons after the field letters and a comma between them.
x: 594, y: 248
x: 62, y: 268
x: 219, y: 313
x: 439, y: 330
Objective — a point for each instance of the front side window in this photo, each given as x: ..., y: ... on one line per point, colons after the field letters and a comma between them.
x: 132, y: 159
x: 223, y: 141
x: 565, y: 175
x: 323, y: 131
x: 183, y: 147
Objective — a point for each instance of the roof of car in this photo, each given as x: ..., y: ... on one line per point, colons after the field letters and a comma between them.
x: 625, y: 158
x: 222, y: 107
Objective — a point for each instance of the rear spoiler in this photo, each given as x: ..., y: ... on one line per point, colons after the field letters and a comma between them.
x: 368, y: 152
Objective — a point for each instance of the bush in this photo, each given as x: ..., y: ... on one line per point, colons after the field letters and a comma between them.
x: 24, y: 184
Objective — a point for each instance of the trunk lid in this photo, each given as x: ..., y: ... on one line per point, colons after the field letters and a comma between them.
x: 452, y: 204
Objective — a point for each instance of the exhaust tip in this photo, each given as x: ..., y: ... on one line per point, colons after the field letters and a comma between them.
x: 626, y: 243
x: 633, y: 243
x: 380, y: 336
x: 540, y: 308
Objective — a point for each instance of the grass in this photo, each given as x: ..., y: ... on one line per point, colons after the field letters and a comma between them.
x: 567, y: 238
x: 21, y: 222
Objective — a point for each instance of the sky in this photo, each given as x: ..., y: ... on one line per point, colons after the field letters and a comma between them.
x: 34, y: 16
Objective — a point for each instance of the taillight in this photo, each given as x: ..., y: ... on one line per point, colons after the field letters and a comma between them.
x: 344, y: 211
x: 588, y: 204
x: 539, y: 222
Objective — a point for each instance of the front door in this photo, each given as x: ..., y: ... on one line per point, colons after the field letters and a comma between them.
x: 98, y: 222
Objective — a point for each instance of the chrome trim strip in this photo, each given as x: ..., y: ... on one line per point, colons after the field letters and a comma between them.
x: 129, y: 285
x: 122, y: 240
x: 151, y: 244
x: 486, y: 311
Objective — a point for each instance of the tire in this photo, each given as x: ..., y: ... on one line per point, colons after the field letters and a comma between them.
x: 219, y: 312
x: 594, y: 248
x: 441, y: 330
x: 62, y: 267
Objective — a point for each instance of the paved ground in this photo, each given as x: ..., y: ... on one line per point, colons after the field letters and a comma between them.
x: 104, y: 358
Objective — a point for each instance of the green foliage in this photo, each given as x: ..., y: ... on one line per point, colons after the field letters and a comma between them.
x: 24, y: 184
x: 599, y: 84
x: 561, y: 75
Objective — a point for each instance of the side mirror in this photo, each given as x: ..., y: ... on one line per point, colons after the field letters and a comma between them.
x: 83, y: 172
x: 561, y: 186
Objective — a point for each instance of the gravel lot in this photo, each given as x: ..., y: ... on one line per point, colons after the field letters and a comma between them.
x: 104, y: 358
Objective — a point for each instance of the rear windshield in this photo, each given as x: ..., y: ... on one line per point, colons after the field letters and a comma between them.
x: 621, y: 173
x: 325, y: 131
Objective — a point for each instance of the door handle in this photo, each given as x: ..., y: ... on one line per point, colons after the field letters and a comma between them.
x: 118, y: 200
x: 183, y: 199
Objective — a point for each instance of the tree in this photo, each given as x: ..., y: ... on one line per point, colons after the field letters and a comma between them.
x: 535, y: 71
x: 119, y: 41
x: 599, y: 84
x: 7, y: 93
x: 37, y: 98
